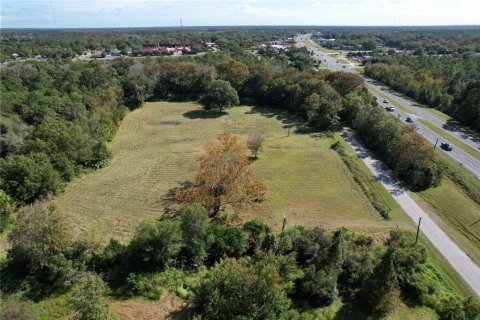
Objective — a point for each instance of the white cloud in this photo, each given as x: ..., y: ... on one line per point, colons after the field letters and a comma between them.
x: 106, y: 13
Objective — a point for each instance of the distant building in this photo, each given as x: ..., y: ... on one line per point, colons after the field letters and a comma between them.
x: 151, y: 49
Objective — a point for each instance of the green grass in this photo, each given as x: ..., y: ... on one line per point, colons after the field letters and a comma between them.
x: 448, y: 274
x: 371, y: 186
x: 457, y: 142
x: 454, y: 211
x: 458, y: 174
x: 155, y: 150
x: 437, y: 113
x: 344, y: 61
x: 435, y: 196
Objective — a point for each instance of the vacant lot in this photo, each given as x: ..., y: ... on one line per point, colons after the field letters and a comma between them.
x: 155, y: 150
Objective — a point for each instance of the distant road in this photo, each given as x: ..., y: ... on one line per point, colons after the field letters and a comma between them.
x: 469, y: 162
x: 457, y: 258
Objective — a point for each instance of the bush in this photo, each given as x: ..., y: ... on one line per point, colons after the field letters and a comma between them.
x: 224, y: 241
x: 89, y: 298
x: 244, y: 289
x: 15, y: 309
x: 6, y: 210
x: 39, y: 234
x: 26, y: 178
x: 154, y: 246
x: 194, y: 227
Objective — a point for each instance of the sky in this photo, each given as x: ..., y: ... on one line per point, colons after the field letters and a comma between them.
x: 157, y: 13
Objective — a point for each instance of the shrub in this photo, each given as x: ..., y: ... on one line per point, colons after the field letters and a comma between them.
x: 154, y: 245
x: 89, y: 298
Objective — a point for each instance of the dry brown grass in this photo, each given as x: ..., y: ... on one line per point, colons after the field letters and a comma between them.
x: 155, y: 150
x: 168, y: 307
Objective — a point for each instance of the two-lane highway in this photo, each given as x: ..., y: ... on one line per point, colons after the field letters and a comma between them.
x: 468, y: 161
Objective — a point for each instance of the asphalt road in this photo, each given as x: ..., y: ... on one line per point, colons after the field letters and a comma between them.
x: 457, y: 258
x: 469, y: 162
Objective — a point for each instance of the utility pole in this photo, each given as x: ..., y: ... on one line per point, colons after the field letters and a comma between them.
x: 418, y: 229
x: 284, y: 224
x: 435, y: 144
x: 181, y: 34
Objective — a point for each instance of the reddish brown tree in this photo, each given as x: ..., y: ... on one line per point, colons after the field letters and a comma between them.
x: 223, y: 178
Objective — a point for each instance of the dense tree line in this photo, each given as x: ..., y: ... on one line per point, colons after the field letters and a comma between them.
x: 404, y: 150
x: 56, y: 120
x: 450, y: 84
x: 420, y: 40
x: 245, y: 272
x: 69, y: 43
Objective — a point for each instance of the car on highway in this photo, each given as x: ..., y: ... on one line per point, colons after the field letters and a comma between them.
x: 344, y: 67
x: 446, y: 146
x: 390, y: 109
x: 385, y: 101
x: 409, y: 120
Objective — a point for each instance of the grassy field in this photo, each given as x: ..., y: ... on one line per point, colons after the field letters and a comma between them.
x: 155, y: 150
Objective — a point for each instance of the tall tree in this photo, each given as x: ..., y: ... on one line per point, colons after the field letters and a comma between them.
x: 219, y: 95
x: 223, y: 178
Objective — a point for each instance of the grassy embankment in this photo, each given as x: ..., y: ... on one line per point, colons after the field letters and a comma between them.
x: 379, y: 193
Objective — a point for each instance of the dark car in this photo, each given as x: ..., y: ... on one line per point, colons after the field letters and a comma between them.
x: 390, y: 109
x: 409, y: 120
x: 446, y: 146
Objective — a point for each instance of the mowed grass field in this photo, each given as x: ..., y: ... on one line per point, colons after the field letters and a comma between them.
x: 155, y: 150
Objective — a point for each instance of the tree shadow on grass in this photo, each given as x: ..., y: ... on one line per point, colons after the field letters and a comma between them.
x: 184, y: 313
x: 295, y: 123
x: 203, y: 114
x: 349, y: 311
x: 172, y: 206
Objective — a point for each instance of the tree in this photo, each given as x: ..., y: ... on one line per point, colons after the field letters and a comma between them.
x: 154, y: 245
x: 246, y: 289
x: 39, y: 234
x: 225, y: 242
x: 6, y: 210
x: 89, y: 298
x: 219, y: 95
x: 223, y: 178
x: 381, y: 291
x: 26, y: 178
x: 255, y: 143
x: 194, y: 227
x: 234, y: 72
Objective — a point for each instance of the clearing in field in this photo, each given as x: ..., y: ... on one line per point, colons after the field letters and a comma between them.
x: 155, y: 150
